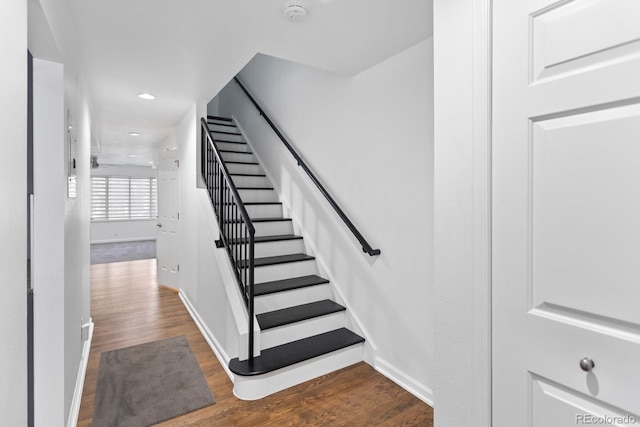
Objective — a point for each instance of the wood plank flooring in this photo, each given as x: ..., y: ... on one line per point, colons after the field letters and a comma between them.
x: 128, y: 308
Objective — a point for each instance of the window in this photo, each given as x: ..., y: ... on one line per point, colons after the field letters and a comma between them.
x: 123, y: 198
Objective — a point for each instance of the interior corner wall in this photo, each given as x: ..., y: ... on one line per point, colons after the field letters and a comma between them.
x: 369, y: 139
x: 213, y: 107
x: 13, y: 213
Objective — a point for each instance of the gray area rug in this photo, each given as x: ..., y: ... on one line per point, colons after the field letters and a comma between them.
x: 149, y: 383
x: 102, y: 253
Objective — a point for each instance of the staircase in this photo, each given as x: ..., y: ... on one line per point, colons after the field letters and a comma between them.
x: 303, y: 331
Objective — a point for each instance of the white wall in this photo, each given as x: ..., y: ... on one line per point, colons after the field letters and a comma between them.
x: 123, y: 231
x: 186, y: 139
x: 50, y: 192
x: 13, y: 213
x: 125, y: 170
x: 369, y: 139
x: 462, y: 252
x: 200, y: 278
x: 77, y: 238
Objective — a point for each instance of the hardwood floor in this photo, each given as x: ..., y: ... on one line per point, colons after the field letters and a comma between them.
x: 128, y: 307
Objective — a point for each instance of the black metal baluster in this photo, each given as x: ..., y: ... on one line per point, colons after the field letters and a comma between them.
x: 235, y: 229
x: 234, y: 222
x: 243, y: 255
x: 251, y: 294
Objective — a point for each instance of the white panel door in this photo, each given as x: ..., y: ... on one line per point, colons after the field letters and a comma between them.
x: 168, y: 223
x: 566, y: 212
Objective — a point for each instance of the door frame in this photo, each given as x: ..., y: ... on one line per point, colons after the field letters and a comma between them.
x: 463, y: 293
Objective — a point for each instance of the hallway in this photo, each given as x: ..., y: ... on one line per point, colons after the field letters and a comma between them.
x: 129, y: 308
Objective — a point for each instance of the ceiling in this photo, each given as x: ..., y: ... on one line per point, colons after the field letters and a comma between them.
x: 185, y: 51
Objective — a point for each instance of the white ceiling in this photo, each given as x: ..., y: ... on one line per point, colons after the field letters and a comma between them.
x: 184, y: 51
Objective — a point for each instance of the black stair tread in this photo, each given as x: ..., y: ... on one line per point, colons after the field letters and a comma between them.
x: 242, y: 163
x: 272, y: 238
x: 237, y: 152
x: 266, y: 219
x: 254, y: 188
x: 230, y: 125
x: 225, y: 133
x: 294, y: 352
x: 283, y: 285
x: 285, y: 316
x: 211, y: 123
x: 263, y: 203
x: 231, y: 142
x: 278, y: 259
x: 276, y: 238
x: 226, y: 119
x: 247, y: 174
x: 256, y: 203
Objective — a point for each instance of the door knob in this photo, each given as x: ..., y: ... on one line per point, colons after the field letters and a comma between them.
x: 159, y: 225
x: 587, y: 364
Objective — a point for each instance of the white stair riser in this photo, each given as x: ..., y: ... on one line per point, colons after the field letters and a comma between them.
x: 233, y: 146
x: 251, y: 181
x: 280, y: 247
x: 257, y: 387
x: 240, y: 168
x: 220, y: 136
x: 264, y: 211
x: 222, y: 128
x: 238, y: 157
x: 255, y: 211
x: 285, y: 271
x: 306, y: 328
x: 258, y: 195
x: 278, y: 300
x: 273, y: 228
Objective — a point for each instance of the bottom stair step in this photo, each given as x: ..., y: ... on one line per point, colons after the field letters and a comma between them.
x: 294, y: 352
x: 298, y: 313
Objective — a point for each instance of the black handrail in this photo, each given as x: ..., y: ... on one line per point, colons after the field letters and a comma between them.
x: 237, y: 233
x: 366, y: 247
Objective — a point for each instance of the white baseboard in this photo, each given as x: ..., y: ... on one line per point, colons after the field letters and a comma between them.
x: 119, y: 240
x: 72, y: 421
x: 419, y: 390
x: 222, y: 356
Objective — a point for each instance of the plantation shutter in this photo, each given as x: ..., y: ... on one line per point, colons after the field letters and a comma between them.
x: 123, y: 198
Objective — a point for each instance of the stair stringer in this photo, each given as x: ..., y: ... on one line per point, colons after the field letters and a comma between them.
x: 352, y: 320
x: 234, y: 296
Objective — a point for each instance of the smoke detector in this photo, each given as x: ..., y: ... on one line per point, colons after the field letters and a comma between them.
x: 295, y: 10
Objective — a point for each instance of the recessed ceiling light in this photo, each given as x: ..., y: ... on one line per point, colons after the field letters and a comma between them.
x: 134, y: 134
x: 132, y: 155
x: 146, y: 96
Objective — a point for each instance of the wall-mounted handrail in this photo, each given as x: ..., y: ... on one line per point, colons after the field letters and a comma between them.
x: 237, y: 233
x: 366, y: 247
